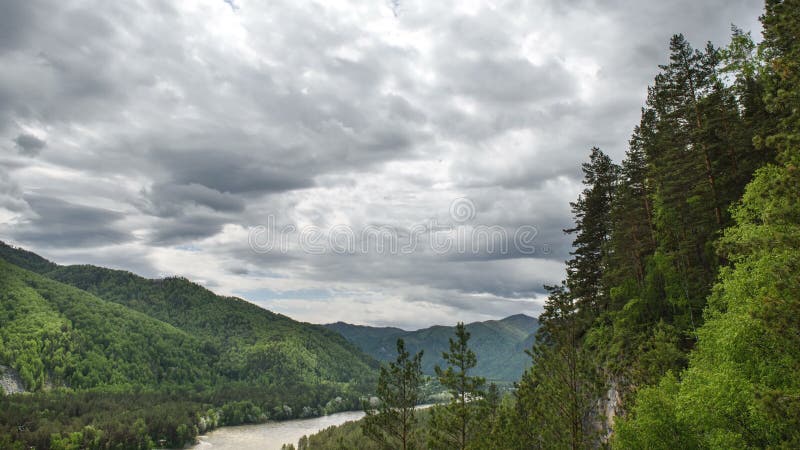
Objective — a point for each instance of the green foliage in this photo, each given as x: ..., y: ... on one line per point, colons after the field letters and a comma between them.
x: 742, y: 388
x: 454, y: 425
x: 657, y: 425
x: 493, y: 429
x: 60, y: 335
x: 103, y: 419
x: 391, y: 423
x: 556, y: 398
x: 249, y: 342
x: 592, y: 228
x: 688, y: 162
x: 237, y: 413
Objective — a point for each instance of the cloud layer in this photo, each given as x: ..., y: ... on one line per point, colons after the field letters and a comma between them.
x: 154, y: 136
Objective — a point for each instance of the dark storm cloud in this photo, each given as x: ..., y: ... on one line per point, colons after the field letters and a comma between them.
x: 217, y: 170
x: 195, y: 121
x: 169, y: 200
x: 29, y: 144
x: 61, y: 66
x: 58, y: 223
x: 185, y: 229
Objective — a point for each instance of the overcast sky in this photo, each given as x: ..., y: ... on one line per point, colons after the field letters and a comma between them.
x: 156, y: 136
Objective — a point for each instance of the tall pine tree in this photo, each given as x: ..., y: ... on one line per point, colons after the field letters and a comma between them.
x: 391, y: 422
x: 592, y: 225
x: 453, y: 426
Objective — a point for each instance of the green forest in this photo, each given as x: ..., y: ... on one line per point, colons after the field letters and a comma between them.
x: 113, y: 360
x: 676, y: 326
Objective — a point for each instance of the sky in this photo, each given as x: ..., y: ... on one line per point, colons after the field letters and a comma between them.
x: 378, y: 162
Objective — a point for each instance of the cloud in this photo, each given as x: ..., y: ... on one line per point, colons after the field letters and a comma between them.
x: 163, y: 132
x: 29, y: 144
x: 13, y: 206
x: 57, y: 223
x: 14, y: 25
x: 185, y: 229
x: 170, y: 200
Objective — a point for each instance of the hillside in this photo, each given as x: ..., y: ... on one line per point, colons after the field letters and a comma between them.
x: 57, y: 334
x: 246, y: 342
x: 97, y: 337
x: 499, y: 344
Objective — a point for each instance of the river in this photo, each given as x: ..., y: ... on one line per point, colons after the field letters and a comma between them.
x: 270, y: 435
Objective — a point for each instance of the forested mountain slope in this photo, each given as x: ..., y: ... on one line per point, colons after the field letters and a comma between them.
x: 64, y: 336
x: 245, y: 341
x: 100, y: 338
x: 499, y: 344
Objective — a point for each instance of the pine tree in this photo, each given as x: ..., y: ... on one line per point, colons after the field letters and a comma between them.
x: 391, y: 423
x: 488, y: 427
x: 452, y: 426
x: 632, y: 238
x: 557, y: 396
x: 592, y: 226
x: 698, y: 151
x: 687, y: 209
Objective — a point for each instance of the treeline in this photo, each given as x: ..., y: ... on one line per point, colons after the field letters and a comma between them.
x: 103, y: 420
x: 143, y: 418
x: 678, y: 322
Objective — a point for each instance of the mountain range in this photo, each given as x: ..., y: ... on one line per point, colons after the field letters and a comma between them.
x: 85, y: 326
x: 498, y: 344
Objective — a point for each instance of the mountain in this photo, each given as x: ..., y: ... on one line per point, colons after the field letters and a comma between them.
x: 88, y: 341
x: 54, y: 334
x: 86, y: 327
x: 499, y: 344
x: 239, y: 340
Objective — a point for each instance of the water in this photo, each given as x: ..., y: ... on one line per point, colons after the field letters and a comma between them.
x: 271, y: 435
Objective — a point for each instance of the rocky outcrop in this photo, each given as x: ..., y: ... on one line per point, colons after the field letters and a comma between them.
x: 611, y: 406
x: 606, y: 410
x: 10, y: 381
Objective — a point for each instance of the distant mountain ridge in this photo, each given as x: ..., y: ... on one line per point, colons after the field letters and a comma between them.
x: 499, y: 344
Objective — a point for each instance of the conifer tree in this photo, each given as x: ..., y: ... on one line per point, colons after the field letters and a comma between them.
x: 391, y: 422
x: 631, y: 234
x: 453, y: 426
x: 592, y: 225
x: 488, y: 427
x: 558, y: 394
